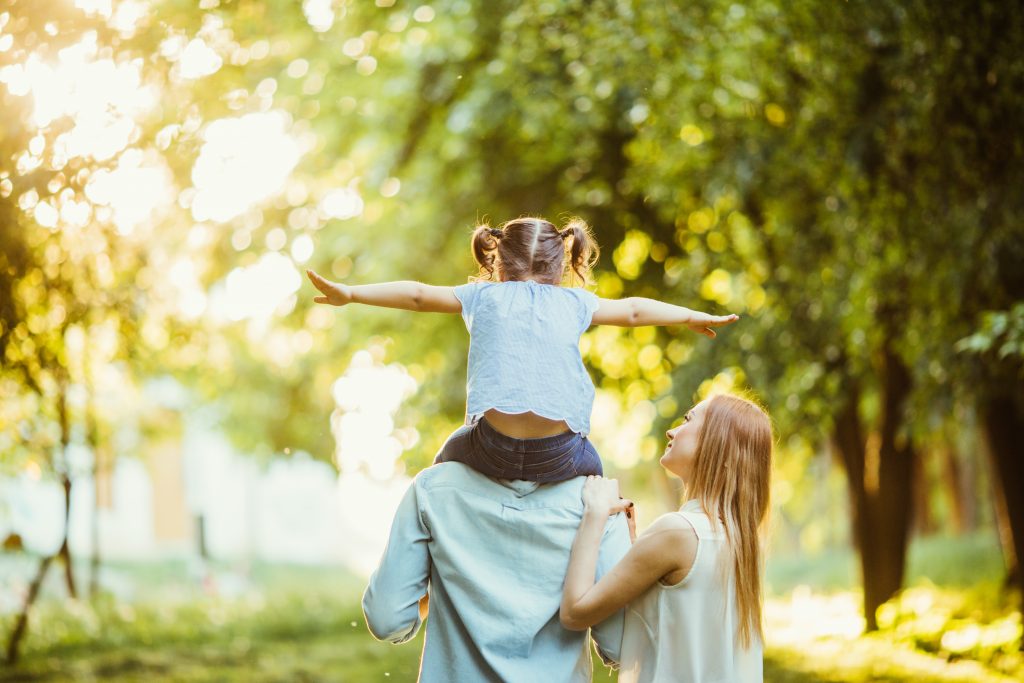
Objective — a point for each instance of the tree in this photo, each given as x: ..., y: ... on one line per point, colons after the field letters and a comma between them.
x: 778, y: 162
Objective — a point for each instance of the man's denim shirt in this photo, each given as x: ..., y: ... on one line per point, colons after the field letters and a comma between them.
x: 495, y: 553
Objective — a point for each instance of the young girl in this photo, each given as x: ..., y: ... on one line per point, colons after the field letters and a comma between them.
x: 691, y: 583
x: 529, y: 396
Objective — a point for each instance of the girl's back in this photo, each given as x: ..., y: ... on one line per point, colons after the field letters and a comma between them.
x: 524, y: 352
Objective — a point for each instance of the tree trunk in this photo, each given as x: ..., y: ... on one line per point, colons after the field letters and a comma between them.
x: 879, y: 476
x: 99, y: 474
x: 65, y: 480
x: 850, y: 443
x: 999, y: 508
x: 21, y: 625
x: 1003, y: 417
x: 65, y: 550
x: 924, y: 521
x: 94, y: 562
x: 884, y: 557
x: 958, y: 487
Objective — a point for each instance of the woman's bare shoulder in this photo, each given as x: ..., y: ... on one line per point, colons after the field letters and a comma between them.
x: 674, y: 537
x: 672, y: 526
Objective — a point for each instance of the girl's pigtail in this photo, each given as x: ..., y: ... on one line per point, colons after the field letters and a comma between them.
x: 584, y: 250
x: 485, y: 244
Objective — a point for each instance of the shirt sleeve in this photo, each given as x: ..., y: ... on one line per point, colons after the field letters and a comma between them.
x: 391, y: 600
x: 466, y: 294
x: 588, y: 304
x: 614, y: 545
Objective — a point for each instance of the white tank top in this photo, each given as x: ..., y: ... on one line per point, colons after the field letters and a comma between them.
x: 687, y: 633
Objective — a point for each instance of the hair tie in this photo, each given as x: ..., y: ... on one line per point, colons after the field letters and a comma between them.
x: 495, y: 233
x: 565, y: 234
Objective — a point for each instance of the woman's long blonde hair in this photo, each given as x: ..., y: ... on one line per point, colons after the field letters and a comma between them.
x: 731, y: 479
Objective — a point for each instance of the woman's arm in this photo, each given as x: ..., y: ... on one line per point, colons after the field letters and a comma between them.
x: 406, y: 294
x: 639, y: 311
x: 661, y: 550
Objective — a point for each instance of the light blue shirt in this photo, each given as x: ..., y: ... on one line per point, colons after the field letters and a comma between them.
x: 495, y: 553
x: 524, y: 350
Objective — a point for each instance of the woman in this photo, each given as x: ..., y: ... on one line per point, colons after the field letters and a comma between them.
x: 692, y: 581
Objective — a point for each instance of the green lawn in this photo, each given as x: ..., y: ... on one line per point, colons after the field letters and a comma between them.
x: 304, y: 624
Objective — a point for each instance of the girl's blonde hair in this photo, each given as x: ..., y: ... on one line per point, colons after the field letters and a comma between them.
x: 525, y: 248
x: 731, y: 479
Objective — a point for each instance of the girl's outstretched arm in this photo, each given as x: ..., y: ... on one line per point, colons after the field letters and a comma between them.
x: 638, y: 311
x: 407, y: 295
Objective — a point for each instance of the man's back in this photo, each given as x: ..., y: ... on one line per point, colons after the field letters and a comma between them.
x: 496, y: 554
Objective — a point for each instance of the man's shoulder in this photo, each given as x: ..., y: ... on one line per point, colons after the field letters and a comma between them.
x: 444, y: 474
x: 452, y: 475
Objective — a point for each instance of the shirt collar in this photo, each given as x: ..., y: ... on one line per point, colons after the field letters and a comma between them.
x: 519, y: 487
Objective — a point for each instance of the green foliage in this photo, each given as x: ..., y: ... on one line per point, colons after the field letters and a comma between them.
x: 843, y: 175
x: 773, y: 152
x: 1002, y: 332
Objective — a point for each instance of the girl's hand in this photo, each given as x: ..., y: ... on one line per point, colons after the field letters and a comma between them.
x: 335, y: 293
x: 701, y: 323
x: 601, y: 497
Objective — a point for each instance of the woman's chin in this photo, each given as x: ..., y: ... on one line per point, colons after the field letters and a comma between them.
x: 665, y: 465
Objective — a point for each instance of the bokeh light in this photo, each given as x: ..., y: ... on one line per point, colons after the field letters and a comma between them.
x: 231, y: 174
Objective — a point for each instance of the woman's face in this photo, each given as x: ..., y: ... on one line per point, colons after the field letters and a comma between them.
x: 682, y: 443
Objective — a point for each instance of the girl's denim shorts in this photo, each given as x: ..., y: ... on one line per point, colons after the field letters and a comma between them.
x: 548, y: 459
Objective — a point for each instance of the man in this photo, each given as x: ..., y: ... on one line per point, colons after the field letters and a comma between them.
x: 495, y: 554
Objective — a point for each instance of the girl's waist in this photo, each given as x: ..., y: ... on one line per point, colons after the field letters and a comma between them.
x: 526, y: 425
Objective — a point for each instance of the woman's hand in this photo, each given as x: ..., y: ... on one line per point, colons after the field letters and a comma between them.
x: 601, y: 497
x: 582, y: 604
x: 335, y: 293
x: 631, y: 522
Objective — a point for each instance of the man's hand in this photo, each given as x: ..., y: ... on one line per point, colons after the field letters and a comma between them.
x: 334, y: 293
x: 701, y: 323
x: 424, y: 607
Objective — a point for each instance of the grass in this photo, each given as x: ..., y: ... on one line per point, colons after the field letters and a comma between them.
x: 286, y: 623
x: 954, y: 622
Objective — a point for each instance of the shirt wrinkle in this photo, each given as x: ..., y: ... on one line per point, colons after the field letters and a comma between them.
x: 524, y: 351
x: 495, y: 556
